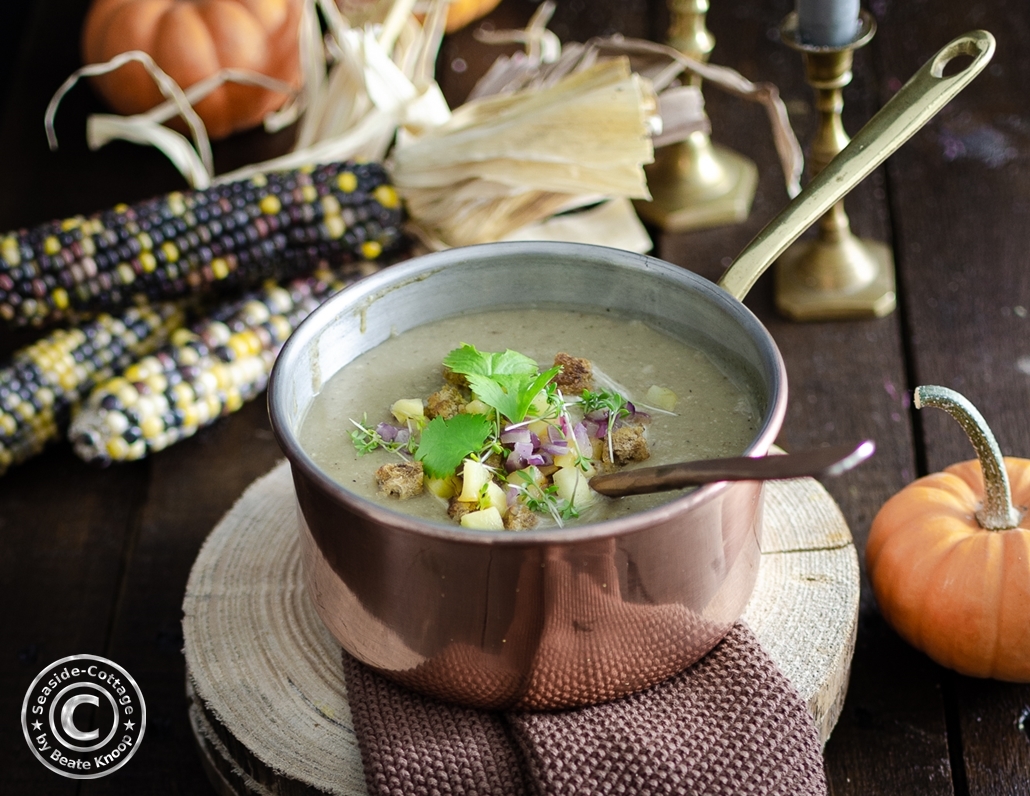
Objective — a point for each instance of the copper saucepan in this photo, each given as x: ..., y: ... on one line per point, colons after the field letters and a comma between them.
x: 559, y: 617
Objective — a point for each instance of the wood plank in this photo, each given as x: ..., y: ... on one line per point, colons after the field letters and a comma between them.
x: 960, y: 189
x: 192, y: 485
x: 67, y: 532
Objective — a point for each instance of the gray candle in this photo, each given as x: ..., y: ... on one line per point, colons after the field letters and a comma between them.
x: 827, y: 23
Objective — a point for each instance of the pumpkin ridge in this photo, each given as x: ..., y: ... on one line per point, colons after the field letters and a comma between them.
x: 951, y: 650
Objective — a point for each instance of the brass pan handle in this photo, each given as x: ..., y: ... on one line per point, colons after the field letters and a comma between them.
x: 918, y: 101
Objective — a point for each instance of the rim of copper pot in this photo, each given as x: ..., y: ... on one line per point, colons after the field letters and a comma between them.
x: 365, y: 292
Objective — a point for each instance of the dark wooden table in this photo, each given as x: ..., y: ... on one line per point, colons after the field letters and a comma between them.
x: 96, y: 561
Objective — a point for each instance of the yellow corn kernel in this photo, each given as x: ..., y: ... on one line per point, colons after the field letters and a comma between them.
x: 386, y: 196
x: 176, y: 204
x: 157, y: 382
x: 330, y: 205
x: 182, y: 336
x: 220, y: 268
x: 270, y: 204
x: 51, y: 245
x: 233, y: 400
x: 371, y: 249
x: 148, y: 262
x: 10, y: 251
x: 128, y: 395
x: 60, y: 298
x: 183, y: 395
x: 335, y: 227
x: 347, y: 181
x: 171, y: 251
x: 145, y: 241
x: 151, y: 426
x: 259, y: 180
x: 309, y: 193
x: 222, y: 375
x: 238, y: 344
x: 117, y: 448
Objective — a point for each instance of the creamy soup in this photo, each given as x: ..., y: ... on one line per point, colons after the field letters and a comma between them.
x: 714, y: 414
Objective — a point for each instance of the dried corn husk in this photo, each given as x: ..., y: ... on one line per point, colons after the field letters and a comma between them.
x: 506, y: 161
x: 681, y: 107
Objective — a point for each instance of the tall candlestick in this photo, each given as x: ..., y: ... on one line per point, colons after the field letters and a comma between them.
x: 696, y: 183
x: 836, y: 274
x: 827, y: 23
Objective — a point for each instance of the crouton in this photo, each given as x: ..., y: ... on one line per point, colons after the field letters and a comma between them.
x: 445, y: 402
x: 456, y: 508
x: 628, y: 445
x: 401, y: 480
x: 457, y: 379
x: 576, y: 374
x: 519, y: 518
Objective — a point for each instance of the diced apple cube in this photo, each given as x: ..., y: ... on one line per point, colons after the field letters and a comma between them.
x: 538, y: 406
x: 474, y: 476
x: 661, y: 398
x: 476, y: 407
x: 488, y: 519
x: 408, y: 409
x: 495, y: 497
x: 444, y: 488
x: 570, y: 460
x: 574, y: 487
x: 539, y: 427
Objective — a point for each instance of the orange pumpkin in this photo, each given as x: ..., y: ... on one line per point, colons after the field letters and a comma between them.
x: 191, y: 40
x: 461, y: 12
x: 949, y: 556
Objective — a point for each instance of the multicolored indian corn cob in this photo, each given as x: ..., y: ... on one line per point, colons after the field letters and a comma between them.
x: 227, y: 237
x: 45, y: 380
x: 203, y: 373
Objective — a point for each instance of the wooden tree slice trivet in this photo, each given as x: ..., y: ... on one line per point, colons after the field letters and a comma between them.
x: 268, y: 706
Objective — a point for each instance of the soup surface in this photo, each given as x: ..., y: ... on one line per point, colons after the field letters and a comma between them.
x: 714, y: 414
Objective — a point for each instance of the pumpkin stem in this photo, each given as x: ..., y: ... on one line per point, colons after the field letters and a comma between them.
x: 997, y: 512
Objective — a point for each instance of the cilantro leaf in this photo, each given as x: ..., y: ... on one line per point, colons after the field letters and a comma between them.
x: 511, y: 394
x: 445, y: 443
x: 468, y: 360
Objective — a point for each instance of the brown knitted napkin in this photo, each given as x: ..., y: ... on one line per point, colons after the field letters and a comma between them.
x: 730, y: 724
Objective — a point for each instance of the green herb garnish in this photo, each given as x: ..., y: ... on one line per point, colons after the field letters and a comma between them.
x: 368, y: 439
x: 507, y: 382
x: 445, y: 444
x: 611, y: 402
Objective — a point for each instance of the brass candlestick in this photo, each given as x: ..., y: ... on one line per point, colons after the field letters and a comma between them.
x: 696, y: 183
x: 836, y: 275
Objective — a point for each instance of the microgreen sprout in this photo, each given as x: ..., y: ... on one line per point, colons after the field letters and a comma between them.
x: 368, y: 439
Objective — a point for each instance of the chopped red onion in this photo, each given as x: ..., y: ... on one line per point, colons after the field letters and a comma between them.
x: 403, y: 435
x: 540, y: 459
x: 582, y: 437
x: 555, y: 448
x: 387, y: 432
x: 511, y: 436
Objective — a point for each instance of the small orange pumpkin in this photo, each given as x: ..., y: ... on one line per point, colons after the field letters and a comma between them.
x: 191, y: 40
x: 949, y: 556
x: 461, y: 12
